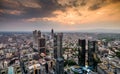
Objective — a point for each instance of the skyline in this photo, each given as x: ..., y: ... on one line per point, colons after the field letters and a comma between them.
x: 61, y: 15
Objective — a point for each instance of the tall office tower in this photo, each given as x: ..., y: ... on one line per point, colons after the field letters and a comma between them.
x: 55, y: 46
x: 52, y: 39
x: 59, y: 66
x: 92, y: 57
x: 41, y: 45
x: 82, y: 51
x: 35, y: 39
x: 91, y: 51
x: 52, y: 33
x: 39, y: 34
x: 59, y: 45
x: 59, y: 60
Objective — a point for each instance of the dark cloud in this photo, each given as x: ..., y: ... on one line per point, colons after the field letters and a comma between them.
x: 46, y: 9
x: 97, y: 4
x: 43, y: 8
x: 101, y: 3
x: 94, y: 7
x: 77, y: 3
x: 83, y: 3
x: 9, y: 4
x: 72, y: 3
x: 114, y: 1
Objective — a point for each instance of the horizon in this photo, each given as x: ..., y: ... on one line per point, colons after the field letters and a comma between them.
x: 80, y: 31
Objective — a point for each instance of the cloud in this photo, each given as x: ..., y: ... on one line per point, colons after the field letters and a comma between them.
x: 9, y: 4
x: 61, y: 17
x: 32, y: 8
x: 12, y: 12
x: 94, y: 7
x: 62, y: 11
x: 78, y: 15
x: 30, y: 3
x: 72, y: 3
x: 33, y: 19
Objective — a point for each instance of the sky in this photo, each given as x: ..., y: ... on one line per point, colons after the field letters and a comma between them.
x: 61, y: 15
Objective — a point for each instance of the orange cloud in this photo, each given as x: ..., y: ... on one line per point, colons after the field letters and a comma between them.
x: 16, y: 12
x: 31, y: 4
x: 33, y: 19
x: 81, y: 15
x: 1, y: 11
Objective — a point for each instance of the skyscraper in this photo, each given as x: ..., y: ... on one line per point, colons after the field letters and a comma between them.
x: 41, y: 45
x: 39, y: 42
x: 35, y: 39
x: 59, y: 45
x: 59, y: 52
x: 90, y: 53
x: 82, y: 51
x: 39, y: 34
x: 55, y: 46
x: 92, y: 57
x: 59, y: 66
x: 52, y: 33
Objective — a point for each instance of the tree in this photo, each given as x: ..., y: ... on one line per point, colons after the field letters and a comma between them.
x: 69, y: 63
x: 118, y: 54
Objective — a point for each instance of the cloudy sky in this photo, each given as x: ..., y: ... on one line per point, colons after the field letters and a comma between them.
x: 61, y: 15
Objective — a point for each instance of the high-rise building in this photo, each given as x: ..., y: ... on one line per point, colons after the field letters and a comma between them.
x: 39, y: 42
x: 35, y: 39
x: 52, y: 33
x: 59, y: 66
x: 59, y: 52
x: 58, y: 45
x: 41, y: 45
x: 39, y: 34
x: 55, y: 46
x: 90, y: 53
x: 82, y: 51
x: 52, y: 41
x: 92, y: 57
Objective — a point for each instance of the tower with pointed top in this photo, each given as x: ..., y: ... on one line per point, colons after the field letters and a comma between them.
x: 52, y: 33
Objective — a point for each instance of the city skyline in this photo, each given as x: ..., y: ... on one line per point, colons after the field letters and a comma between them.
x: 61, y: 15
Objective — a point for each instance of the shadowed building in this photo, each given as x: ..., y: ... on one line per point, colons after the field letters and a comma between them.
x: 92, y: 56
x: 59, y: 66
x: 55, y: 46
x: 52, y: 33
x: 39, y: 34
x: 41, y: 45
x: 82, y: 51
x: 58, y: 52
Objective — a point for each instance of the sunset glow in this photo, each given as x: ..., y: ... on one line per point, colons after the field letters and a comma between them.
x: 80, y: 14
